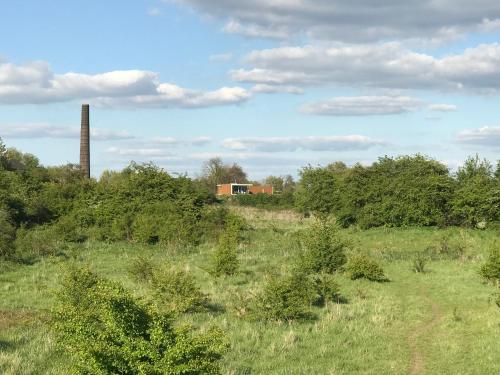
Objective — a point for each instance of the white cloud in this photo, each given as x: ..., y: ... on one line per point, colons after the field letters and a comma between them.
x: 361, y: 20
x: 201, y: 141
x: 255, y: 31
x: 311, y: 143
x: 168, y: 95
x: 273, y: 89
x: 37, y: 130
x: 165, y: 141
x: 485, y: 136
x: 363, y: 106
x: 156, y: 153
x: 442, y: 107
x: 387, y: 65
x: 36, y: 83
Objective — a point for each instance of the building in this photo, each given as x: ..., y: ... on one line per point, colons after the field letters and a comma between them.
x: 236, y: 189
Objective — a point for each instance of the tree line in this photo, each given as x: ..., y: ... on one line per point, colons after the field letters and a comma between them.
x: 143, y: 203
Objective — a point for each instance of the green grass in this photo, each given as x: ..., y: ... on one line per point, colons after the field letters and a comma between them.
x: 369, y: 334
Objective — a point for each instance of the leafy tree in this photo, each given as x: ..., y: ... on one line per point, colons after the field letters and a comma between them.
x: 474, y: 167
x: 225, y: 257
x: 408, y: 190
x: 107, y: 331
x: 477, y: 195
x: 490, y: 271
x: 287, y: 298
x: 318, y: 191
x: 324, y: 249
x: 3, y: 157
x: 362, y: 266
x: 176, y: 290
x: 7, y: 235
x: 215, y: 172
x: 281, y: 184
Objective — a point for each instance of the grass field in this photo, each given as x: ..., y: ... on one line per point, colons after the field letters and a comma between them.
x: 442, y: 321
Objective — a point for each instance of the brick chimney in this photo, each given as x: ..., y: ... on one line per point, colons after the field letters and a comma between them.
x: 85, y: 142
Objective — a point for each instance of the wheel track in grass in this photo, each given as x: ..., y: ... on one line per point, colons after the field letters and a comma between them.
x: 417, y: 362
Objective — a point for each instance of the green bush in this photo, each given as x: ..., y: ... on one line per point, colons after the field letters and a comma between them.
x: 361, y: 266
x: 107, y: 331
x: 287, y: 298
x: 69, y: 228
x: 491, y: 269
x: 146, y: 228
x: 324, y: 248
x: 142, y: 269
x: 225, y: 258
x: 176, y: 290
x: 37, y: 242
x: 7, y: 235
x: 327, y: 288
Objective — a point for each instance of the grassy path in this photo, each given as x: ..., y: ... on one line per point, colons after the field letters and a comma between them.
x: 417, y: 362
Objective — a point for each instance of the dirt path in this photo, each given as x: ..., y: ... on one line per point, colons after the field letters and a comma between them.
x: 417, y: 364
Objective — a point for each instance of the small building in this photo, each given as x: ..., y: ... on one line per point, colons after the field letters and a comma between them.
x: 237, y: 189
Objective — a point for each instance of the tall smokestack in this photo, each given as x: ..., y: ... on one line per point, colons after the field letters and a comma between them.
x: 85, y: 142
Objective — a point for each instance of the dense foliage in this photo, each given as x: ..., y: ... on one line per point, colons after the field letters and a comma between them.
x: 142, y: 203
x: 225, y: 258
x: 324, y: 248
x: 403, y: 191
x: 176, y: 290
x: 491, y: 269
x: 287, y: 297
x: 363, y: 267
x: 109, y: 332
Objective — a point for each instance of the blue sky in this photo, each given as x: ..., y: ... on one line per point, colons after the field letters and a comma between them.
x: 272, y: 85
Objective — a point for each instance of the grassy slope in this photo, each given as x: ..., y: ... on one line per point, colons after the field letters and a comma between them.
x: 369, y: 334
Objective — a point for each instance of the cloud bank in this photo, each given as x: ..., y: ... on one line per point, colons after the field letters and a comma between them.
x: 486, y: 136
x: 353, y: 21
x: 312, y: 143
x: 381, y: 66
x: 28, y: 131
x: 36, y: 83
x: 363, y: 106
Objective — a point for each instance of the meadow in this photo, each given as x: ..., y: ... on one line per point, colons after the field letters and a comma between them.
x: 440, y: 321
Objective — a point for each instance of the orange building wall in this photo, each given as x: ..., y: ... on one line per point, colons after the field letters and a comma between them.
x: 224, y: 189
x: 261, y: 189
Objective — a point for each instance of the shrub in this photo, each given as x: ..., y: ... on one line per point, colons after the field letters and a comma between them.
x: 142, y: 269
x: 287, y: 298
x: 146, y: 229
x: 326, y: 288
x: 37, y: 242
x: 176, y: 290
x: 491, y: 269
x: 419, y: 263
x: 216, y: 220
x: 69, y: 229
x: 225, y: 258
x: 361, y: 266
x: 107, y: 331
x: 324, y: 248
x: 7, y: 235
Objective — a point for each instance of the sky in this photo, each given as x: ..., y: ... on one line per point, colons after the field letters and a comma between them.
x: 273, y: 85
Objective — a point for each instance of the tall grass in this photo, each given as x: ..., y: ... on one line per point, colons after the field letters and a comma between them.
x: 368, y: 334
